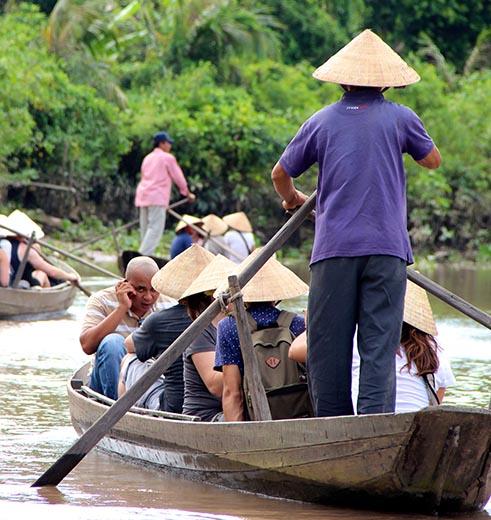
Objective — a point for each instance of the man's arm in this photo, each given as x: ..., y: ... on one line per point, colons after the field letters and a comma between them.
x: 177, y: 176
x: 232, y: 398
x: 433, y: 160
x: 283, y: 184
x: 130, y: 344
x: 92, y: 336
x: 203, y: 361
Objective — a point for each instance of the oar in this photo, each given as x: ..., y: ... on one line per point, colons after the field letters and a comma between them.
x: 60, y: 469
x: 121, y: 228
x: 204, y: 234
x: 82, y: 288
x: 65, y: 253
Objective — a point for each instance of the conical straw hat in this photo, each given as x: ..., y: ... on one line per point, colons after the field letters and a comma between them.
x: 417, y: 309
x: 188, y: 219
x: 238, y: 221
x: 3, y: 232
x: 21, y: 223
x: 273, y: 282
x: 214, y: 225
x: 178, y: 274
x: 367, y: 61
x: 213, y: 275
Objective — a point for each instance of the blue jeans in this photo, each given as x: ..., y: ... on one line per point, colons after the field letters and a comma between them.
x: 105, y: 373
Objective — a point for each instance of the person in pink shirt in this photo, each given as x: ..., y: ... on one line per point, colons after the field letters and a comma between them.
x: 159, y: 170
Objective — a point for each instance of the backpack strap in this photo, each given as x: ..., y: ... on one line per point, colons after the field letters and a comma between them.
x: 245, y: 242
x: 285, y: 319
x: 429, y: 380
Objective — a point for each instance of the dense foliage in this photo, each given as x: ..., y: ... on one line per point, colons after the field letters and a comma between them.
x: 85, y: 83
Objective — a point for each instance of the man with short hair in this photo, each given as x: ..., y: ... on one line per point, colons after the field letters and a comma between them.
x: 111, y: 315
x: 361, y: 245
x: 159, y: 170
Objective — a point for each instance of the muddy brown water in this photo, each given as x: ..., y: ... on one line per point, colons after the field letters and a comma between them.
x: 37, y: 358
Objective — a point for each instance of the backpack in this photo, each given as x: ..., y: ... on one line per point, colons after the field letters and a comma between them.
x: 284, y: 380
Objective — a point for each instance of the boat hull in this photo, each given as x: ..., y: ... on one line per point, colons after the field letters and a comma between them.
x: 435, y: 460
x: 37, y: 303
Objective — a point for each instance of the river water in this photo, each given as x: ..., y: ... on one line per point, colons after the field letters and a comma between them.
x: 36, y: 359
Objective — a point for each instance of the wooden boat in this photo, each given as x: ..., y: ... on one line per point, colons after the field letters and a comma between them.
x: 434, y: 460
x: 37, y: 303
x: 126, y: 256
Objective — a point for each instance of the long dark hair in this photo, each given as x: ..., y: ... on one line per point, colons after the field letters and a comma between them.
x: 421, y: 349
x: 196, y: 304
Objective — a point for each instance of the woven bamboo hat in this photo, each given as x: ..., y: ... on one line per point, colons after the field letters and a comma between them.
x: 3, y: 232
x: 24, y: 225
x: 238, y: 221
x: 417, y: 309
x: 188, y: 219
x: 273, y: 282
x: 178, y: 274
x: 367, y: 61
x: 214, y: 225
x: 212, y: 276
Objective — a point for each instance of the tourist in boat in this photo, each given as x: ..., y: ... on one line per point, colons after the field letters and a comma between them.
x: 186, y: 235
x: 271, y: 284
x: 5, y: 253
x: 216, y: 228
x: 159, y: 170
x: 203, y: 384
x: 111, y: 315
x: 163, y: 327
x: 239, y: 238
x: 361, y: 245
x: 422, y: 370
x: 38, y: 272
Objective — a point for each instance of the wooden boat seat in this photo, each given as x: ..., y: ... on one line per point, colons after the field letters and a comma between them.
x: 92, y: 394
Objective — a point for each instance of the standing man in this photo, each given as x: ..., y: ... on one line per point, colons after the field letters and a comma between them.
x: 158, y: 171
x: 361, y: 246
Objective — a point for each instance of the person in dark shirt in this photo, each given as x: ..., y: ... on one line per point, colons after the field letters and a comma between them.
x: 186, y: 235
x: 203, y: 385
x: 272, y: 283
x: 162, y: 328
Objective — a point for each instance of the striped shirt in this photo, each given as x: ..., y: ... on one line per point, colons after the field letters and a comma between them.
x: 102, y: 303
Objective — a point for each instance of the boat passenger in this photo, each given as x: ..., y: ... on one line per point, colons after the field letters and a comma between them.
x: 216, y: 228
x: 239, y: 237
x: 111, y: 315
x: 271, y: 284
x: 422, y: 372
x: 361, y: 245
x: 163, y: 327
x: 5, y: 253
x: 186, y: 236
x: 159, y: 170
x: 202, y: 384
x: 38, y: 271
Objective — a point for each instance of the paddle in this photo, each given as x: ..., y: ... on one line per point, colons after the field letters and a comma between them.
x: 60, y: 469
x: 204, y: 234
x: 121, y: 228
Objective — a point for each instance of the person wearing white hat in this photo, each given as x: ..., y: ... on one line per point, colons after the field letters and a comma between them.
x: 361, y: 245
x: 38, y: 271
x: 422, y: 370
x: 239, y: 237
x: 186, y: 235
x: 271, y: 284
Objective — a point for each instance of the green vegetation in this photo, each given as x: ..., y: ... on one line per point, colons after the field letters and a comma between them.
x: 85, y: 83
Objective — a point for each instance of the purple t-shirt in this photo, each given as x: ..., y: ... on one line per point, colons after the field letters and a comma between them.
x: 358, y: 143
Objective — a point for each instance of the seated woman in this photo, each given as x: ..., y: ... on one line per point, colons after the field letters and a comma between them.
x: 38, y: 271
x: 4, y: 265
x: 202, y: 384
x: 422, y: 371
x: 271, y: 284
x: 186, y: 235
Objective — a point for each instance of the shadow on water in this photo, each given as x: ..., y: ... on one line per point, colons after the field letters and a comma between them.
x: 36, y: 359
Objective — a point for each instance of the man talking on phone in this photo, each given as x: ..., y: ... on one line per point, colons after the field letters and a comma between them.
x: 111, y: 315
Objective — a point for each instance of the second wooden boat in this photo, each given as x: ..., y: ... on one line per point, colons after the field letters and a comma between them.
x: 37, y: 303
x: 435, y: 460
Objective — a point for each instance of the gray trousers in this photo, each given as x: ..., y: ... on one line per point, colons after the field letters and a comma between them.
x: 152, y: 224
x: 367, y: 292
